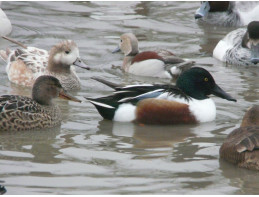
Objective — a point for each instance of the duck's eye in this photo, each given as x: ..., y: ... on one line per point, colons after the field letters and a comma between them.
x: 121, y: 40
x: 206, y: 79
x: 67, y: 52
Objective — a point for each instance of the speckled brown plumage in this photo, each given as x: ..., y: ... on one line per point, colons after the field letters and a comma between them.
x: 241, y: 145
x: 23, y: 113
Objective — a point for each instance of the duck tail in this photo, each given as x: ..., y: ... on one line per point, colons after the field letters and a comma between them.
x: 14, y: 41
x: 108, y: 83
x: 106, y: 111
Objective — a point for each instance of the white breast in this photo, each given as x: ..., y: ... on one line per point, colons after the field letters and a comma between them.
x: 125, y: 113
x: 152, y: 67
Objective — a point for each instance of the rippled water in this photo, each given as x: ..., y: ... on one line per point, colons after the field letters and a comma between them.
x: 89, y: 155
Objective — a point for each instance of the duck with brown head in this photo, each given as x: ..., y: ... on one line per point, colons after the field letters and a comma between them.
x: 24, y: 66
x: 242, y: 144
x: 19, y: 113
x: 158, y: 63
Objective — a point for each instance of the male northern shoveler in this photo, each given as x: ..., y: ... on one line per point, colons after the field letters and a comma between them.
x: 23, y: 113
x: 241, y: 145
x: 160, y: 63
x: 25, y: 65
x: 187, y: 102
x: 227, y: 13
x: 5, y: 24
x: 240, y: 47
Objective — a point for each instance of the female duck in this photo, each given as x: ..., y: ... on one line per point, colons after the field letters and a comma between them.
x: 24, y: 66
x: 227, y: 13
x: 5, y: 24
x: 240, y: 47
x: 187, y: 102
x: 241, y: 145
x: 160, y: 63
x: 19, y: 113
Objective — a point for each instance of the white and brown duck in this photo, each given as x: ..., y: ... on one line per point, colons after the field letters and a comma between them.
x: 160, y: 63
x: 25, y: 65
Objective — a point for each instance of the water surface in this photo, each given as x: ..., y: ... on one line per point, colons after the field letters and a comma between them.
x: 89, y: 155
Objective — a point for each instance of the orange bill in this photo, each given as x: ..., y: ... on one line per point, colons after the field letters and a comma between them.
x: 66, y: 96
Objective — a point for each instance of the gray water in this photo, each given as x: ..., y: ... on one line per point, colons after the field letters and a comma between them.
x: 89, y: 155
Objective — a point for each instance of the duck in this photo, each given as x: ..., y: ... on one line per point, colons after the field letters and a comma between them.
x: 187, y: 102
x: 19, y: 113
x: 227, y: 13
x: 240, y: 47
x: 5, y: 24
x: 241, y: 146
x: 25, y: 65
x: 160, y: 63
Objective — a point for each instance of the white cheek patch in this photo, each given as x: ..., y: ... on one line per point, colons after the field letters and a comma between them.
x: 70, y: 58
x: 57, y: 57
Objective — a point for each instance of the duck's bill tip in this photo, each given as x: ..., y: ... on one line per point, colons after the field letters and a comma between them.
x: 116, y: 50
x: 66, y: 96
x: 81, y: 64
x: 217, y: 91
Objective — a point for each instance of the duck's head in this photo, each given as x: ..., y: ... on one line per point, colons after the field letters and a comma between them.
x: 251, y: 117
x: 251, y: 40
x: 211, y: 6
x: 128, y: 45
x: 63, y: 55
x: 46, y: 88
x: 199, y: 84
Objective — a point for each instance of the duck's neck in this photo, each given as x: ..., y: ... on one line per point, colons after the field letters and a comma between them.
x: 57, y: 67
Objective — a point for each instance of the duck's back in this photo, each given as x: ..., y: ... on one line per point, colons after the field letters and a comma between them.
x: 241, y: 147
x: 22, y: 113
x: 24, y: 66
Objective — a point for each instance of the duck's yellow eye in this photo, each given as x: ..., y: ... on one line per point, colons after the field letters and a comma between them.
x: 206, y: 79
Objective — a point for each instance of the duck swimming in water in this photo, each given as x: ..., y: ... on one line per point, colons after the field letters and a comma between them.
x: 240, y: 47
x: 242, y: 144
x: 184, y: 103
x: 5, y: 24
x: 25, y: 65
x: 18, y: 113
x: 159, y: 63
x: 227, y: 13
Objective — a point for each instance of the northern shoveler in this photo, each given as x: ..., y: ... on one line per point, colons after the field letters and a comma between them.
x: 159, y: 63
x: 241, y: 145
x: 240, y: 47
x: 24, y: 66
x: 23, y: 113
x: 186, y: 102
x: 227, y: 13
